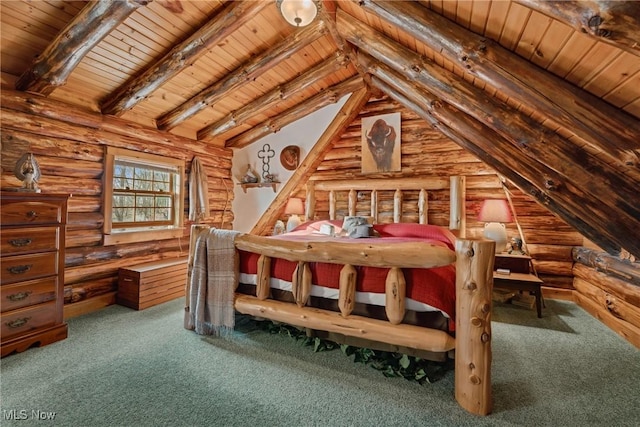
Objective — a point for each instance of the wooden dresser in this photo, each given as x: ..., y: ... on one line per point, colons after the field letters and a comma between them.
x: 32, y: 272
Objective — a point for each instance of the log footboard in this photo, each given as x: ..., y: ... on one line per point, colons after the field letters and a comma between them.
x: 474, y: 281
x: 357, y: 326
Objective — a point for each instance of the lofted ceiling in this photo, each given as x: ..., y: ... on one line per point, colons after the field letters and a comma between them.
x: 154, y: 38
x: 229, y: 72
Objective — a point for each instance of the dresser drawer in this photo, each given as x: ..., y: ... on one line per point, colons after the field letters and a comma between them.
x: 18, y: 268
x: 28, y: 240
x: 25, y: 320
x: 29, y: 293
x: 31, y: 212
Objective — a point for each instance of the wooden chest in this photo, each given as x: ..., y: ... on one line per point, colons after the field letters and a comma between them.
x: 32, y: 273
x: 145, y: 285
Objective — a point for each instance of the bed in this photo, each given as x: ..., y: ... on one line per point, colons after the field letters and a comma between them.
x: 430, y: 293
x: 408, y: 285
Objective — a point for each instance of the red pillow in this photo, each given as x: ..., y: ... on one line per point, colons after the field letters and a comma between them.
x: 413, y: 230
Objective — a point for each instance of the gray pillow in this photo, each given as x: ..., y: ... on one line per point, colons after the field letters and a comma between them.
x: 357, y: 226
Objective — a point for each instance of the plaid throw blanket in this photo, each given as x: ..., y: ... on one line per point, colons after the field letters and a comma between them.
x: 212, y: 285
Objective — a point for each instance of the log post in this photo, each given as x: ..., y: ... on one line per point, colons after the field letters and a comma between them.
x: 311, y: 201
x: 423, y: 209
x: 474, y: 286
x: 353, y: 199
x: 397, y: 206
x: 395, y: 293
x: 457, y: 198
x: 301, y: 284
x: 264, y: 277
x: 332, y: 204
x: 374, y: 205
x: 347, y: 295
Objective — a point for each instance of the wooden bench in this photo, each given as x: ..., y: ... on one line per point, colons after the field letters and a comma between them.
x: 145, y: 285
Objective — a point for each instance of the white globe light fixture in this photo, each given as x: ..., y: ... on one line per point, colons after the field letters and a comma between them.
x: 298, y: 13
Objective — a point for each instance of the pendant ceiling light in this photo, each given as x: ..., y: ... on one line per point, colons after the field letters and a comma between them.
x: 298, y: 13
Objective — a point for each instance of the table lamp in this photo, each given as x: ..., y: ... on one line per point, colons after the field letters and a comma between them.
x: 494, y: 213
x: 294, y: 208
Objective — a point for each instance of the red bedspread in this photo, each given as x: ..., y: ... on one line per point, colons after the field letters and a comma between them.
x: 435, y: 286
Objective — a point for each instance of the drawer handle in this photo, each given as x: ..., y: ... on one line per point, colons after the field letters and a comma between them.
x: 19, y: 296
x: 20, y: 242
x: 18, y: 322
x: 19, y: 269
x: 32, y: 214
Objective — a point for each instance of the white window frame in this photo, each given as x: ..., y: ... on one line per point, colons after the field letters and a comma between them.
x: 114, y: 235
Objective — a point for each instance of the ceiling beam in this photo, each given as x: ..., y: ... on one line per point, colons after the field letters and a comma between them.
x: 51, y: 68
x: 613, y: 22
x: 245, y: 73
x: 279, y: 94
x: 534, y: 140
x: 326, y: 97
x: 606, y: 204
x: 309, y: 164
x: 606, y: 127
x: 232, y: 17
x: 486, y: 145
x: 327, y: 12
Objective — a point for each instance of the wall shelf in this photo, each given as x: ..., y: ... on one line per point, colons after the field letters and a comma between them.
x: 273, y: 185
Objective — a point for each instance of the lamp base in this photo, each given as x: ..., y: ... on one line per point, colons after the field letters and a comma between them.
x: 293, y: 222
x: 496, y: 231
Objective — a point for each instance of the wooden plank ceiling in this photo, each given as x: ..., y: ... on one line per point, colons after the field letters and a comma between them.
x: 228, y: 73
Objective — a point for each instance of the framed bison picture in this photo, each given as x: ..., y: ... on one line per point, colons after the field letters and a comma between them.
x: 381, y: 143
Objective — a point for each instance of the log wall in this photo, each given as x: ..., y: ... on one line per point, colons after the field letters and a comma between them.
x: 69, y: 145
x: 609, y: 288
x: 427, y: 153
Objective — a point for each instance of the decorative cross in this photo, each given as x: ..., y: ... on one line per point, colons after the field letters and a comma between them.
x: 266, y: 154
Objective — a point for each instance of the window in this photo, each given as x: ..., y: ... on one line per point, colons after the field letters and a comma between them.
x: 143, y: 196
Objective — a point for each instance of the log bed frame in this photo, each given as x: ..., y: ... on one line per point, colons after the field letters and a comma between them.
x: 474, y: 282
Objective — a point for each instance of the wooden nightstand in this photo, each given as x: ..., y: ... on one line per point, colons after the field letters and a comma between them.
x: 513, y: 263
x: 518, y: 277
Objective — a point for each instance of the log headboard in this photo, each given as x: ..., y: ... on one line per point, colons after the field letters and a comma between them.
x: 365, y: 194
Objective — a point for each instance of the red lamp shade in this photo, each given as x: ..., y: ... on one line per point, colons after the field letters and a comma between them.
x: 494, y: 210
x: 294, y: 207
x: 494, y: 213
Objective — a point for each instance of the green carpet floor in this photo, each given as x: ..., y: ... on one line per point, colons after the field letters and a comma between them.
x: 121, y: 367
